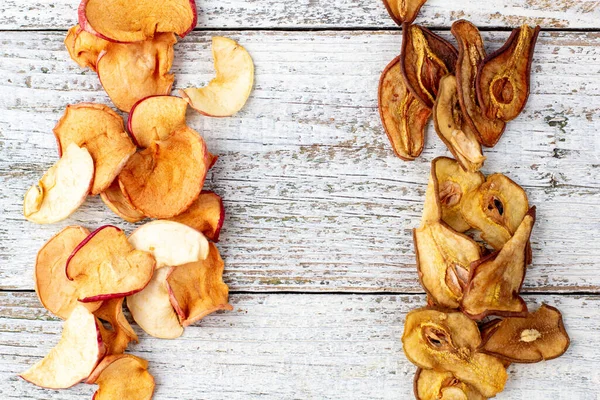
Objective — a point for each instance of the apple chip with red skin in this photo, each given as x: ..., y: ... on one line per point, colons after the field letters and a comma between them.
x: 101, y: 131
x: 155, y: 118
x: 120, y: 333
x: 114, y: 199
x: 205, y: 215
x: 122, y: 377
x: 83, y: 47
x: 197, y: 289
x: 105, y: 266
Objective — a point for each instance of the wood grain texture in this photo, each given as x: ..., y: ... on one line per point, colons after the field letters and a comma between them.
x: 298, y: 346
x: 315, y: 198
x: 294, y: 14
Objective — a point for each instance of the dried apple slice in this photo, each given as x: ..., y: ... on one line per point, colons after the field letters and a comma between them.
x: 125, y: 22
x: 205, y: 215
x: 164, y: 180
x: 425, y: 59
x: 124, y: 377
x: 496, y: 208
x: 435, y: 385
x: 470, y: 55
x: 403, y: 10
x: 404, y: 118
x: 197, y: 289
x: 155, y: 118
x: 62, y: 189
x: 448, y: 342
x: 503, y: 76
x: 227, y: 93
x: 74, y: 357
x: 152, y: 310
x: 105, y: 266
x: 451, y: 127
x: 114, y: 199
x: 83, y: 47
x: 539, y: 336
x: 101, y: 131
x: 118, y: 337
x: 496, y: 280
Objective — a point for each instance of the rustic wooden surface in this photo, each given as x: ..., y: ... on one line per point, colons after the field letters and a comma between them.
x: 316, y: 201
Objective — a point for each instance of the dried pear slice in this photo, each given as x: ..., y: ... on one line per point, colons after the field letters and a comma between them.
x: 434, y: 385
x: 496, y: 208
x: 539, y: 336
x: 425, y: 59
x: 404, y: 118
x: 444, y: 341
x: 403, y: 10
x: 456, y: 134
x: 503, y: 76
x: 496, y: 280
x: 470, y: 55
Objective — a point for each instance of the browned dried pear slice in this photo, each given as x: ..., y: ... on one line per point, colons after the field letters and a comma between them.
x: 451, y: 127
x: 403, y: 116
x: 470, y: 55
x: 434, y: 385
x: 496, y: 208
x: 443, y: 341
x: 503, y: 77
x: 496, y: 280
x: 425, y: 59
x: 403, y: 10
x: 539, y: 336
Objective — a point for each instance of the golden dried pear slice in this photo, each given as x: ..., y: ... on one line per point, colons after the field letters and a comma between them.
x: 403, y: 10
x: 155, y: 118
x: 122, y: 377
x: 539, y: 336
x: 496, y: 280
x: 496, y: 208
x: 114, y: 199
x: 434, y: 385
x: 101, y: 131
x: 448, y: 341
x: 425, y: 59
x: 404, y: 118
x: 205, y: 215
x: 471, y: 53
x: 83, y: 47
x: 503, y: 77
x: 451, y: 127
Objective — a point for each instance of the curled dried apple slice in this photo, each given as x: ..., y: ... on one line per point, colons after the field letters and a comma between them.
x: 205, y: 215
x: 503, y: 76
x: 470, y: 55
x: 155, y: 118
x: 403, y: 10
x: 152, y: 310
x: 83, y: 47
x: 114, y: 199
x: 539, y: 336
x: 496, y: 208
x: 404, y: 118
x: 74, y: 357
x: 118, y: 337
x: 436, y: 385
x: 496, y: 280
x: 131, y: 72
x: 164, y: 180
x: 62, y: 189
x: 197, y: 289
x: 451, y: 127
x: 101, y: 131
x: 125, y: 22
x: 124, y: 377
x: 448, y: 342
x: 425, y: 59
x: 105, y: 266
x: 227, y: 93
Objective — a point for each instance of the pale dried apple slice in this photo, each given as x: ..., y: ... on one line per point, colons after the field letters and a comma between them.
x: 126, y: 21
x: 114, y: 199
x: 152, y: 310
x: 105, y: 266
x: 227, y: 93
x: 205, y: 215
x: 131, y: 72
x: 101, y: 131
x: 155, y: 118
x: 123, y: 377
x: 164, y: 180
x: 448, y: 341
x: 62, y: 189
x: 437, y: 385
x: 539, y: 336
x: 197, y: 289
x: 118, y: 337
x: 74, y: 357
x: 83, y: 47
x: 403, y: 10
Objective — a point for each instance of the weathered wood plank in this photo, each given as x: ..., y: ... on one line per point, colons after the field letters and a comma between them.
x: 298, y: 347
x: 232, y: 14
x: 315, y: 198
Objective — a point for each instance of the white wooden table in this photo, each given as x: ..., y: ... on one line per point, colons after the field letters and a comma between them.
x: 317, y: 240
